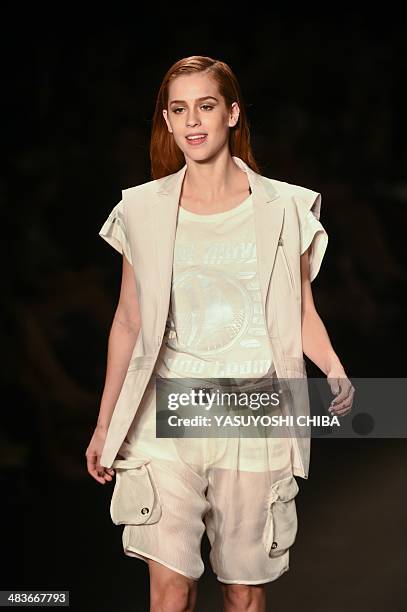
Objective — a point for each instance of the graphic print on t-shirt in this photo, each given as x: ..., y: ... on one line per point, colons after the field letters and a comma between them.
x: 216, y: 327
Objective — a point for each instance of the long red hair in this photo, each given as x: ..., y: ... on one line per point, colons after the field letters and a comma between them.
x: 165, y: 155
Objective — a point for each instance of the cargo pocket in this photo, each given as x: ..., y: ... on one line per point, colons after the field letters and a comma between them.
x: 282, y: 523
x: 135, y: 499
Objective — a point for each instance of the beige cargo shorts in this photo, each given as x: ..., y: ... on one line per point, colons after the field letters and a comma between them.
x: 169, y: 491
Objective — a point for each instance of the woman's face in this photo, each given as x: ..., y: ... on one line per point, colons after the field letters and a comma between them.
x: 195, y: 106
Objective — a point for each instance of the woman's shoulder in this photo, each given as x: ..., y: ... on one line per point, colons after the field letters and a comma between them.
x: 302, y: 199
x: 138, y: 199
x: 138, y: 192
x: 291, y: 190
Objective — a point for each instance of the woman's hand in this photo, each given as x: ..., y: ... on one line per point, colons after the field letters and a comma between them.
x: 93, y: 454
x: 344, y: 391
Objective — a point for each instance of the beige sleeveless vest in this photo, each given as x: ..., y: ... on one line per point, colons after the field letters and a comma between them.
x: 142, y: 226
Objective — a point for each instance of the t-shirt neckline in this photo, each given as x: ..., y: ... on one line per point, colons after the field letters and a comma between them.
x: 216, y: 216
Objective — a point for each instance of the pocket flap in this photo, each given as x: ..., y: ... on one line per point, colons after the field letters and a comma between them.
x: 285, y: 489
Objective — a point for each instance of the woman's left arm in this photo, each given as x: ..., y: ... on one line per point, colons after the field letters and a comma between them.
x: 317, y: 346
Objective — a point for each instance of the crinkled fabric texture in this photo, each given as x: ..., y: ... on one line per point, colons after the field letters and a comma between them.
x: 114, y: 231
x: 235, y: 508
x: 221, y: 485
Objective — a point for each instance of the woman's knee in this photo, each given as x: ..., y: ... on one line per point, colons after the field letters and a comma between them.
x: 243, y: 596
x: 170, y: 591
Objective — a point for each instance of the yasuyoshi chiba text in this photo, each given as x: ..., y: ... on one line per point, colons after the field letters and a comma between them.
x: 254, y: 420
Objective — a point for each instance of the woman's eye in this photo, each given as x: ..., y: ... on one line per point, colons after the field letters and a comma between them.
x: 181, y: 108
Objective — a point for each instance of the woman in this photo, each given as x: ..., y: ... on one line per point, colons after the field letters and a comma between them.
x: 217, y: 265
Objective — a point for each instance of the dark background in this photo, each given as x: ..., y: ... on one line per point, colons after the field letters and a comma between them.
x: 326, y: 100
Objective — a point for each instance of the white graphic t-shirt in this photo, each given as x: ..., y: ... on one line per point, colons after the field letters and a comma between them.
x: 216, y: 326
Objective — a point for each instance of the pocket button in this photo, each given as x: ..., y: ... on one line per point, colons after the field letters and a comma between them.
x: 145, y: 510
x: 274, y: 545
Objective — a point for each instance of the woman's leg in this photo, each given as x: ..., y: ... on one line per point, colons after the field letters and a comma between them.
x: 244, y: 597
x: 171, y: 591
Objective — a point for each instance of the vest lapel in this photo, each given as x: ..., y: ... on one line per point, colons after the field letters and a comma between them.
x: 268, y: 220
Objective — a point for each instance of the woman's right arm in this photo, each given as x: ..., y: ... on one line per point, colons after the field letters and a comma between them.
x: 122, y: 339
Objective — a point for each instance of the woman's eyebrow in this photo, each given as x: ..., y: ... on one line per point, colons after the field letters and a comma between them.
x: 197, y: 100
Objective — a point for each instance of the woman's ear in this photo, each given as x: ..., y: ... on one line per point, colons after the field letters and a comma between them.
x: 234, y: 114
x: 165, y: 115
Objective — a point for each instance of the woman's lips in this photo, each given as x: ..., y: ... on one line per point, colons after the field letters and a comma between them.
x: 196, y: 141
